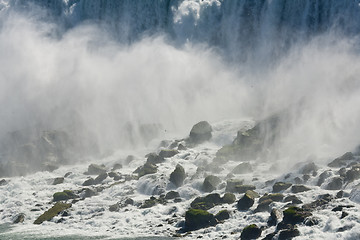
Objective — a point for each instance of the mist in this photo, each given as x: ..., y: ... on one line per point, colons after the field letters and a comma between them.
x: 84, y: 81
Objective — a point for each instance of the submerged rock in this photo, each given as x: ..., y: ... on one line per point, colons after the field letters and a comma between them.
x: 197, y: 218
x: 58, y: 180
x: 178, y: 176
x: 200, y: 132
x: 250, y: 232
x: 52, y: 212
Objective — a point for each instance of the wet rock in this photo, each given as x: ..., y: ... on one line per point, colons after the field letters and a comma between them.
x: 207, y: 202
x: 295, y: 215
x: 210, y: 183
x: 95, y: 169
x: 116, y: 166
x: 228, y: 198
x: 232, y: 183
x: 298, y: 180
x: 244, y: 188
x: 3, y: 182
x: 153, y: 158
x: 343, y: 215
x: 309, y: 168
x: 52, y: 212
x: 87, y: 192
x: 323, y: 176
x: 321, y: 202
x: 146, y: 169
x: 242, y: 168
x: 64, y: 195
x: 299, y: 188
x: 197, y: 219
x: 168, y: 153
x: 89, y: 182
x: 100, y: 178
x: 67, y: 174
x: 342, y: 161
x: 222, y: 215
x: 19, y: 218
x: 245, y: 202
x: 178, y: 175
x: 172, y: 195
x: 264, y: 206
x: 181, y: 147
x: 250, y: 232
x: 114, y: 175
x: 253, y: 194
x: 335, y: 183
x: 292, y: 198
x: 200, y: 132
x: 344, y: 228
x: 276, y: 197
x: 306, y: 177
x: 148, y: 203
x: 281, y: 186
x: 352, y: 174
x: 114, y: 208
x: 288, y: 234
x: 276, y: 216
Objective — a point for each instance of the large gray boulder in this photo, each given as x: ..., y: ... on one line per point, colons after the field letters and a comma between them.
x: 200, y: 132
x: 177, y: 176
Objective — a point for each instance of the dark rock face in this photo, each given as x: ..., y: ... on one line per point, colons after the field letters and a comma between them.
x: 52, y: 212
x: 200, y: 132
x: 292, y: 198
x: 245, y: 202
x: 172, y: 195
x: 352, y: 174
x: 250, y: 232
x: 276, y: 197
x: 335, y: 183
x: 19, y: 218
x: 3, y: 182
x: 197, y: 218
x: 295, y: 215
x: 242, y: 168
x: 89, y: 182
x: 275, y: 217
x: 210, y: 183
x: 281, y: 186
x: 323, y: 176
x: 100, y: 178
x: 342, y: 161
x: 178, y: 175
x: 299, y: 188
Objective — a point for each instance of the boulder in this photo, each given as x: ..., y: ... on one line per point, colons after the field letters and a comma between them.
x: 89, y: 182
x: 95, y: 169
x: 178, y: 175
x: 100, y: 178
x: 172, y: 195
x: 52, y: 212
x: 299, y: 188
x: 264, y: 206
x: 335, y: 183
x: 250, y: 232
x: 58, y: 180
x: 276, y: 197
x: 228, y: 198
x: 293, y: 199
x: 3, y: 182
x: 200, y: 132
x: 288, y: 234
x: 245, y: 202
x: 232, y: 183
x: 242, y: 168
x: 168, y: 153
x: 146, y: 169
x: 153, y: 158
x: 352, y: 174
x: 323, y: 176
x: 309, y: 168
x: 276, y: 216
x: 210, y: 183
x: 197, y: 218
x: 244, y: 188
x: 207, y: 202
x: 281, y: 186
x: 222, y: 215
x: 64, y: 195
x: 295, y: 215
x: 342, y: 161
x: 19, y: 218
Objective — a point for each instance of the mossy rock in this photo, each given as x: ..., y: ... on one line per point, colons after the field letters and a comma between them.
x: 210, y: 183
x: 281, y: 186
x: 197, y: 218
x: 295, y: 215
x: 222, y: 215
x: 52, y: 212
x: 250, y: 232
x: 229, y: 198
x: 65, y: 195
x: 207, y: 202
x: 178, y: 176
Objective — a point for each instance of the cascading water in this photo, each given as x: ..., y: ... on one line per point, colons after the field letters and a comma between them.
x: 95, y: 79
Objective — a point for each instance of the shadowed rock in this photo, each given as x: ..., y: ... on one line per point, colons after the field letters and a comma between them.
x: 178, y: 175
x: 197, y: 218
x: 200, y: 132
x: 281, y: 186
x: 250, y: 232
x: 52, y: 212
